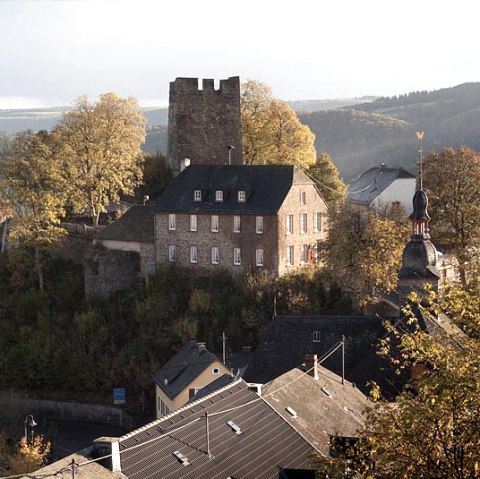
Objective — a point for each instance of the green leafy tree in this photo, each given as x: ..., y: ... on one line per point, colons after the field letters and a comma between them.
x: 452, y: 179
x: 363, y: 251
x: 272, y: 132
x: 101, y: 144
x: 328, y: 181
x: 32, y: 181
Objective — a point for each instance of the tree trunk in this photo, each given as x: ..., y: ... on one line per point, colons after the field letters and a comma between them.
x: 39, y: 268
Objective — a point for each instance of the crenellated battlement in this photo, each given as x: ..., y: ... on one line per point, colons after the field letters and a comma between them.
x: 203, y: 121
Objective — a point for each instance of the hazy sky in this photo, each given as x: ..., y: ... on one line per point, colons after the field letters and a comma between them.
x: 55, y: 51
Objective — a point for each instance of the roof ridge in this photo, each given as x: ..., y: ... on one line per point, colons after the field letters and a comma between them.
x: 189, y: 405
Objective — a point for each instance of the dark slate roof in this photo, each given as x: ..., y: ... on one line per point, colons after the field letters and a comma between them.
x: 183, y: 368
x: 136, y: 224
x: 419, y: 260
x: 266, y: 187
x: 370, y: 184
x: 266, y: 442
x: 324, y: 407
x: 287, y: 339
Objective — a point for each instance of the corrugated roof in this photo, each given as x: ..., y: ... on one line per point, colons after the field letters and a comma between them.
x: 136, y: 224
x: 265, y: 444
x: 175, y: 375
x: 318, y: 416
x: 370, y: 184
x: 266, y: 187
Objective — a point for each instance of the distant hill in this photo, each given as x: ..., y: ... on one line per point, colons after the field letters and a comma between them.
x: 306, y: 106
x: 383, y: 131
x: 357, y: 133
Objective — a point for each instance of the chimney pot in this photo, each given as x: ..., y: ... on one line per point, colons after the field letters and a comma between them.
x: 311, y: 362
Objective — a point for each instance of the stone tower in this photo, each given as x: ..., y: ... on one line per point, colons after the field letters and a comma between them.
x: 419, y: 260
x: 204, y: 124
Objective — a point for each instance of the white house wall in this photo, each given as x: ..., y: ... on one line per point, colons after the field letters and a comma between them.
x: 401, y: 190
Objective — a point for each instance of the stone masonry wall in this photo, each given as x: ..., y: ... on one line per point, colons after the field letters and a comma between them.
x: 202, y: 123
x: 108, y: 271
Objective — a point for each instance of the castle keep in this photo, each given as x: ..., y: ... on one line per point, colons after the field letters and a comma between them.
x: 204, y: 124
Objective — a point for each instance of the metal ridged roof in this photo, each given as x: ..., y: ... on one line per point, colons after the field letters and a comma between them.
x: 266, y: 443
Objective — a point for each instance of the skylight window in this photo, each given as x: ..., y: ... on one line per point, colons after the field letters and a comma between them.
x: 327, y: 392
x: 181, y: 458
x: 291, y: 411
x: 235, y: 427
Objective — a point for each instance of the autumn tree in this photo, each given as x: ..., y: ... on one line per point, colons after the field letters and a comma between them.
x: 363, y: 251
x: 452, y: 179
x: 101, y: 145
x: 32, y: 180
x: 30, y: 456
x: 272, y: 132
x: 431, y: 432
x: 325, y: 175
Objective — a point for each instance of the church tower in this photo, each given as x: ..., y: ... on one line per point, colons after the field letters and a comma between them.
x: 420, y: 258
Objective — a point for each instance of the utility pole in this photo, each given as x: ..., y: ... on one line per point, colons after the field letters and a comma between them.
x: 343, y: 359
x: 207, y: 434
x: 224, y: 347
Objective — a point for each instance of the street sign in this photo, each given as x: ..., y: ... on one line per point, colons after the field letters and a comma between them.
x: 119, y: 396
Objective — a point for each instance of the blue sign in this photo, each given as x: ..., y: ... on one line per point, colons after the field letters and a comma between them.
x: 119, y: 396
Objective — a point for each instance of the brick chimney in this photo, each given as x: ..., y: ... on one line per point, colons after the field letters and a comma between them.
x: 311, y: 361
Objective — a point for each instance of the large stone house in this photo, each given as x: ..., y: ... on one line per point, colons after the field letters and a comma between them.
x: 240, y: 217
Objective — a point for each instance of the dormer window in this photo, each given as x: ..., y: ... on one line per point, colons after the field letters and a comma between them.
x: 242, y: 196
x: 219, y: 195
x: 197, y: 195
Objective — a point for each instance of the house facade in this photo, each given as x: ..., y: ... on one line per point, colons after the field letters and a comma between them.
x: 240, y: 217
x: 382, y: 186
x: 190, y: 370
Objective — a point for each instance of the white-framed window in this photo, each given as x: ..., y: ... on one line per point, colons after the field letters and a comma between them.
x: 304, y: 253
x: 215, y: 255
x: 197, y: 195
x: 289, y: 224
x: 172, y: 253
x: 193, y: 222
x: 193, y: 254
x: 290, y: 255
x: 215, y: 371
x: 303, y: 197
x: 214, y: 223
x: 172, y: 222
x: 236, y: 224
x: 259, y: 224
x: 242, y: 196
x: 219, y: 195
x: 303, y: 222
x: 237, y: 258
x: 259, y: 257
x: 163, y: 408
x: 317, y: 222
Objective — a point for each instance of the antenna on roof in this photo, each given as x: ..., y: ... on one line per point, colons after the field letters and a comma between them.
x: 420, y: 135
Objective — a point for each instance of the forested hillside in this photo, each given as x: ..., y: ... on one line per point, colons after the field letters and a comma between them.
x: 383, y: 131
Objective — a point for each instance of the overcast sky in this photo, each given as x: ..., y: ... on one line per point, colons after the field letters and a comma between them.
x: 54, y: 51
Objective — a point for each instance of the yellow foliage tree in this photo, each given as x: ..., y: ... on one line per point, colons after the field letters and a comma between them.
x: 272, y: 132
x: 101, y: 145
x: 363, y: 251
x: 32, y: 180
x: 29, y: 457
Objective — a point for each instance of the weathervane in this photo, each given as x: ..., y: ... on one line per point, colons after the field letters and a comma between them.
x: 420, y: 160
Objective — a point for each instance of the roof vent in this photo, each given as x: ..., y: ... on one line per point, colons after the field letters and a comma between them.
x: 235, y: 427
x: 291, y: 411
x: 327, y: 392
x: 181, y: 458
